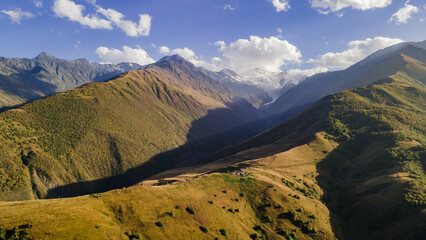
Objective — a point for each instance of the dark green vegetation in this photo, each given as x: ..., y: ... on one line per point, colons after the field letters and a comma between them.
x: 117, y: 132
x: 16, y: 233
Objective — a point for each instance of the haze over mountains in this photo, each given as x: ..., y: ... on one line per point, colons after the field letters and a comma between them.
x: 193, y: 149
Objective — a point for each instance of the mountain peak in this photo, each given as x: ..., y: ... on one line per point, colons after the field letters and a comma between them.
x: 173, y: 58
x: 44, y: 55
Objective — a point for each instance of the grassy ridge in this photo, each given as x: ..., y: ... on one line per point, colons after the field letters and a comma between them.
x: 375, y: 179
x: 96, y: 131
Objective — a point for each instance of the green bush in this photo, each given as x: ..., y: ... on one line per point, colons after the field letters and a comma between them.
x: 190, y: 210
x: 159, y: 224
x: 255, y: 236
x: 204, y: 229
x: 223, y: 232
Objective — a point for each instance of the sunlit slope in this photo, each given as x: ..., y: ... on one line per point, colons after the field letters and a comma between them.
x: 349, y: 167
x: 23, y: 80
x: 361, y: 74
x: 257, y: 205
x: 99, y: 130
x: 374, y: 180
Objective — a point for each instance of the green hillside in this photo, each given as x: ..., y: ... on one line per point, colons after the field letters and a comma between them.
x: 374, y: 180
x: 352, y: 166
x: 365, y: 72
x: 23, y: 80
x: 106, y: 129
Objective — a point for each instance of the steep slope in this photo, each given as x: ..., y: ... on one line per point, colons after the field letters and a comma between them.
x: 123, y: 128
x: 374, y: 176
x: 375, y: 67
x: 352, y: 166
x: 23, y: 80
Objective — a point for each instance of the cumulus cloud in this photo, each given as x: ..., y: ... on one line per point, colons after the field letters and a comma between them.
x: 256, y: 52
x: 128, y: 54
x: 74, y: 12
x: 327, y: 6
x: 164, y: 50
x: 357, y: 50
x: 244, y: 54
x: 281, y: 5
x: 130, y: 28
x: 17, y: 15
x: 403, y: 14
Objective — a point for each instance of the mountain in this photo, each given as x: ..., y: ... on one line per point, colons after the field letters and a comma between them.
x: 111, y: 134
x: 275, y: 83
x: 23, y: 80
x: 379, y: 65
x: 254, y: 94
x: 364, y: 148
x: 351, y: 166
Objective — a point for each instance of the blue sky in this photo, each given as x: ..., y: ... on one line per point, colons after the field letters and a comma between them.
x: 239, y: 34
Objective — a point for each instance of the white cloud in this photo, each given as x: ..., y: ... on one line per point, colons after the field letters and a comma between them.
x: 17, y: 15
x: 228, y: 7
x: 328, y: 6
x: 281, y: 5
x: 357, y: 51
x: 279, y: 30
x: 164, y: 50
x: 244, y: 54
x: 130, y: 28
x: 128, y: 54
x: 74, y: 12
x: 297, y: 75
x: 403, y: 14
x: 77, y: 45
x: 266, y: 53
x: 38, y: 3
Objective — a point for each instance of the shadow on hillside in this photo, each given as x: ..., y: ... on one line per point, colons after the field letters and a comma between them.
x: 221, y: 120
x: 26, y: 87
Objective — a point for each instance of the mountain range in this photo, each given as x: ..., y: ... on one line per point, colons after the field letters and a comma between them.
x: 24, y: 80
x: 188, y: 154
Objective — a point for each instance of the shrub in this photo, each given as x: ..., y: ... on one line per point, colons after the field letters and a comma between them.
x: 266, y: 219
x: 159, y: 224
x: 223, y: 232
x: 132, y: 236
x: 255, y: 236
x: 190, y: 210
x: 2, y: 233
x: 258, y: 228
x: 204, y: 229
x: 211, y: 202
x: 178, y: 207
x: 241, y: 194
